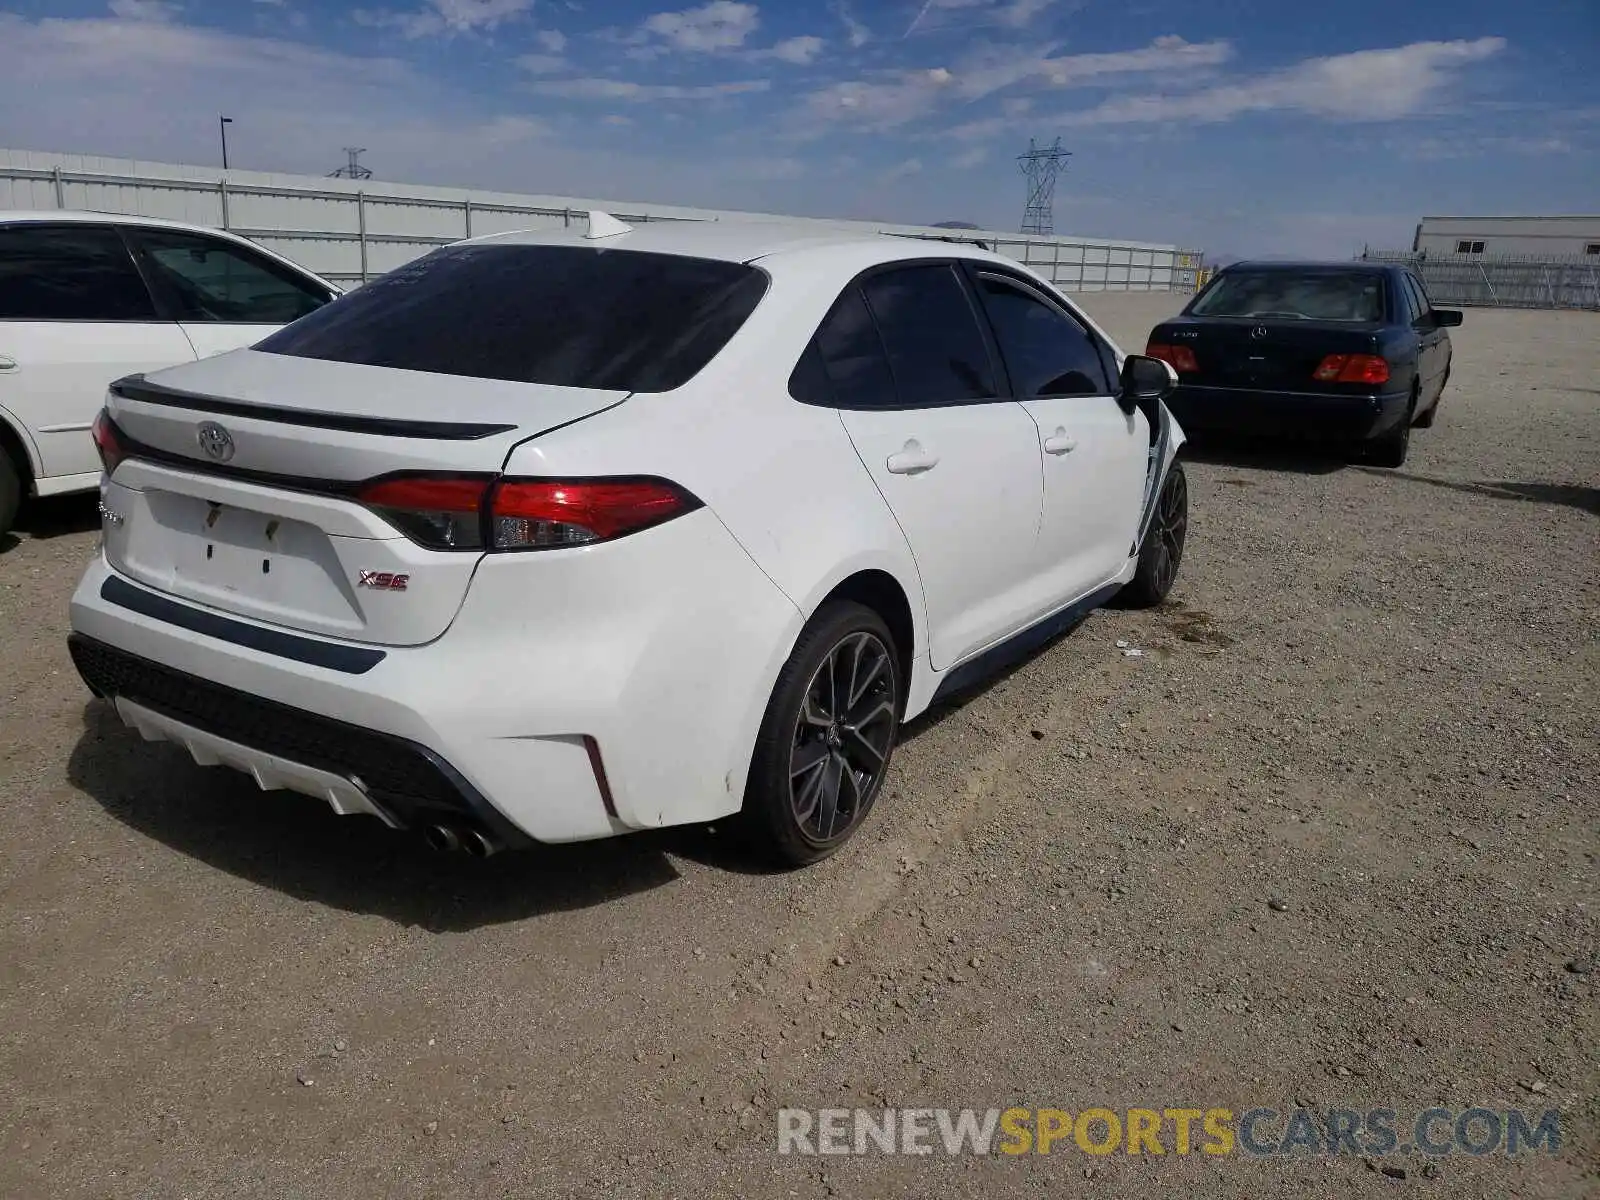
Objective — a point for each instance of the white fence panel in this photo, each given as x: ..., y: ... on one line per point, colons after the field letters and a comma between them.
x: 352, y: 230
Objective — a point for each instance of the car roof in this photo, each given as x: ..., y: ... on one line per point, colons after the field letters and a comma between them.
x: 57, y: 216
x: 1310, y: 264
x: 745, y: 241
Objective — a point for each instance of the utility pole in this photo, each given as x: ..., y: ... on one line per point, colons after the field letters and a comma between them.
x: 1041, y: 165
x: 352, y: 168
x: 222, y: 127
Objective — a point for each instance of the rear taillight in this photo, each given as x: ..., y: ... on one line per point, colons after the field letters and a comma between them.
x: 1352, y: 368
x: 442, y: 512
x: 1180, y: 358
x: 482, y: 512
x: 108, y: 441
x: 542, y: 514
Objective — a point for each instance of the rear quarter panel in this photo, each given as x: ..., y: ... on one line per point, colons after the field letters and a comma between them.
x: 781, y: 476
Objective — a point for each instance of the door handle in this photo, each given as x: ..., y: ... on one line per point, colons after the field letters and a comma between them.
x: 7, y: 364
x: 912, y: 459
x: 1059, y: 442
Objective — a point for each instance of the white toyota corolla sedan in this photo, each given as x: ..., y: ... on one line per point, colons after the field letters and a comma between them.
x: 547, y: 537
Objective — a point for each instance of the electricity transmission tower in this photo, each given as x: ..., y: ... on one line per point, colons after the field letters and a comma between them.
x: 1041, y: 165
x: 353, y: 169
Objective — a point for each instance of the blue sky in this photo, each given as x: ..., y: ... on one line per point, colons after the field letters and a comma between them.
x: 1235, y: 126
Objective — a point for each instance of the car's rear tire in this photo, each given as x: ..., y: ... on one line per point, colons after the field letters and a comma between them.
x: 10, y: 492
x: 827, y: 737
x: 1162, y: 552
x: 1390, y: 450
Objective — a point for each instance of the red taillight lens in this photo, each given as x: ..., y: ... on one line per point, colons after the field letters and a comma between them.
x: 454, y: 512
x: 1352, y: 368
x: 1181, y: 358
x: 440, y: 512
x: 544, y: 514
x: 108, y: 441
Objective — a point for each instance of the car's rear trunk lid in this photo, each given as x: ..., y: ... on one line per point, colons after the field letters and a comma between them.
x: 241, y: 489
x: 1273, y: 354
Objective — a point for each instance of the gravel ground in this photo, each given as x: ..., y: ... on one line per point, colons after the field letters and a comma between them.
x: 1330, y: 842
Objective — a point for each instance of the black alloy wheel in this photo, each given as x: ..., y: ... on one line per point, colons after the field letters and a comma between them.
x: 827, y: 737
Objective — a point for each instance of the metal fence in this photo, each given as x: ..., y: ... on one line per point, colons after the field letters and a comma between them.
x: 1503, y: 280
x: 350, y: 231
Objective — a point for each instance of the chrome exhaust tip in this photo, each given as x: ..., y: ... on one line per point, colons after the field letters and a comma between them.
x: 442, y: 838
x: 479, y: 844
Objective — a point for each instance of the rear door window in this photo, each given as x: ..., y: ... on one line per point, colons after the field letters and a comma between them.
x: 206, y: 279
x: 570, y: 316
x: 1289, y: 294
x: 936, y: 350
x: 1046, y: 352
x: 69, y: 272
x: 852, y: 357
x: 1419, y: 298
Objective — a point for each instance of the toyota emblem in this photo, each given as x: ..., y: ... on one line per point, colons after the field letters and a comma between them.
x: 216, y: 441
x: 1259, y: 332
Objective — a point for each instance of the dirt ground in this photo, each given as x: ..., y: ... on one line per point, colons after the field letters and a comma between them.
x: 1330, y: 842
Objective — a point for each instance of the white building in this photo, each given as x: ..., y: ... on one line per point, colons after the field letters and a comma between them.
x: 1540, y: 237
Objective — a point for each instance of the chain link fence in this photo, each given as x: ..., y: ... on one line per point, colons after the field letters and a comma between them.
x: 1502, y: 280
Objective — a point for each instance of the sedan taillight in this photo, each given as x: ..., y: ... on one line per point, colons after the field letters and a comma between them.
x: 1180, y: 358
x: 1352, y: 368
x: 480, y: 512
x: 108, y: 441
x: 542, y: 514
x: 442, y: 512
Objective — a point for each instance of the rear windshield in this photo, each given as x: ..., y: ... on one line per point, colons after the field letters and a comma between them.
x: 574, y: 316
x: 1306, y: 295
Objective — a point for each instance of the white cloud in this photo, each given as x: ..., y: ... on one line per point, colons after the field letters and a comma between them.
x: 622, y: 89
x: 936, y: 15
x: 798, y: 50
x: 890, y: 99
x: 444, y: 17
x: 994, y: 68
x: 553, y: 40
x: 144, y: 10
x: 718, y: 26
x: 1467, y: 145
x: 970, y: 158
x: 857, y: 34
x: 542, y: 64
x: 1369, y: 85
x: 295, y: 105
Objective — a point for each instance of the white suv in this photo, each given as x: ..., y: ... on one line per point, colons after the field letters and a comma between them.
x: 546, y: 538
x: 86, y: 298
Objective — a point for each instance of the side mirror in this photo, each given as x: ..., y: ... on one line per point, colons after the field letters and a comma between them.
x: 1446, y: 318
x: 1145, y: 380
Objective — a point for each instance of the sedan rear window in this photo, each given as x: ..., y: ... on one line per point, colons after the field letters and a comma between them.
x: 1306, y: 295
x: 572, y: 316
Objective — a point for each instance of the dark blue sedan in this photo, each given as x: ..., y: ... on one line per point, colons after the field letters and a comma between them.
x: 1338, y: 352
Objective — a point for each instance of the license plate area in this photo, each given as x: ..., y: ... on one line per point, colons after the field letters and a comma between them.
x: 241, y: 559
x: 239, y: 549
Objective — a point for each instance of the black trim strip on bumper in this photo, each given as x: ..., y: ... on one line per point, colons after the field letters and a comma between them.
x: 136, y: 387
x: 411, y: 782
x: 351, y: 660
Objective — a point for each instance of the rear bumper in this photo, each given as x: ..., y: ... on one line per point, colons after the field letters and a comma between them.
x: 658, y: 652
x: 1309, y: 415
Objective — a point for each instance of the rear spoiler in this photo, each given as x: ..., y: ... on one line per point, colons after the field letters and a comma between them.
x: 142, y: 391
